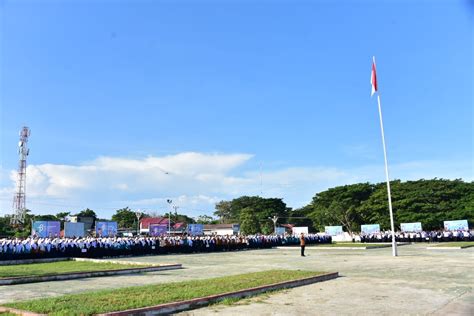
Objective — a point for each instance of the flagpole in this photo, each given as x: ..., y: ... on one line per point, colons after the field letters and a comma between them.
x: 394, y: 243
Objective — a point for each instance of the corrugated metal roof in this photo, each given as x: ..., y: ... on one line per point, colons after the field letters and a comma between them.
x: 145, y: 222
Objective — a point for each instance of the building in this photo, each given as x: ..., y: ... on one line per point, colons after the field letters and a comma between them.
x: 147, y: 221
x: 222, y: 229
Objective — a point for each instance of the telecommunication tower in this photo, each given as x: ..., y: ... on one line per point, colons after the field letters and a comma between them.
x: 19, y: 206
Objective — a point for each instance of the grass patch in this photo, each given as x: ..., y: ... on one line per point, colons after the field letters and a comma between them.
x: 465, y: 244
x: 53, y: 268
x: 144, y: 296
x: 7, y: 314
x: 229, y: 301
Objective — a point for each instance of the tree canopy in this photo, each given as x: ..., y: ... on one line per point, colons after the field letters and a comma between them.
x: 87, y: 213
x: 125, y: 218
x: 206, y: 219
x: 427, y: 201
x: 252, y: 212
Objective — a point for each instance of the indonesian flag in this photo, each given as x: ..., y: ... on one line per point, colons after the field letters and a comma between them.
x: 373, y: 78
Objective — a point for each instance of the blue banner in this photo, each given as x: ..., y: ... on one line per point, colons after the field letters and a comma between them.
x: 236, y: 228
x: 456, y: 225
x: 196, y: 229
x: 74, y: 229
x: 280, y: 230
x: 370, y: 228
x: 333, y: 230
x: 158, y: 229
x: 46, y: 229
x: 411, y: 227
x: 106, y: 229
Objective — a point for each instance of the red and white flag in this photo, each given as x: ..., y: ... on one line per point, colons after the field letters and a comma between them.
x: 373, y: 78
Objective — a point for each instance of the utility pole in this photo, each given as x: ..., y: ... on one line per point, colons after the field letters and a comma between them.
x: 169, y: 216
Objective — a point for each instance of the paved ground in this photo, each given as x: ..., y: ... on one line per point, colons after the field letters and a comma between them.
x: 418, y: 282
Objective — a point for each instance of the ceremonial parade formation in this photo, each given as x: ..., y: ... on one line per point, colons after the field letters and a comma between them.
x: 168, y: 156
x: 92, y: 247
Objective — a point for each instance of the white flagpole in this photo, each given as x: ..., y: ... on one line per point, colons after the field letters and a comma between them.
x: 394, y: 243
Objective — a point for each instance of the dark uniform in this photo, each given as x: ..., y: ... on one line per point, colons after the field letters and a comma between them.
x: 302, y: 244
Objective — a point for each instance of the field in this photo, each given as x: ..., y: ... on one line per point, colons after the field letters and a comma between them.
x: 144, y: 296
x: 373, y: 282
x: 54, y: 268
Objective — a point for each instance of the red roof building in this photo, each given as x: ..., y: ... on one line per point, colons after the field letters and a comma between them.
x: 145, y: 222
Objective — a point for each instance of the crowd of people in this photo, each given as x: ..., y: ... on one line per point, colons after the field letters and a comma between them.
x: 97, y: 247
x: 423, y: 236
x: 93, y: 247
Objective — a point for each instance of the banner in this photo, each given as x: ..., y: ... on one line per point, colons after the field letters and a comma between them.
x: 411, y: 227
x: 333, y: 230
x: 73, y: 229
x: 196, y: 229
x: 299, y: 230
x: 105, y: 229
x: 456, y: 225
x: 280, y: 230
x: 158, y: 229
x: 370, y: 229
x: 236, y: 228
x: 46, y: 229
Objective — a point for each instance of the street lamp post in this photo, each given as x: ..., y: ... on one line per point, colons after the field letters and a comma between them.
x: 274, y: 219
x: 138, y: 214
x: 169, y: 216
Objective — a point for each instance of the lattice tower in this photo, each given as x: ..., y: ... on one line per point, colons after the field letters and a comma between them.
x: 19, y: 199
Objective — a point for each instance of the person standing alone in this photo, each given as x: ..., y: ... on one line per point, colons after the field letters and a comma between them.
x: 302, y: 244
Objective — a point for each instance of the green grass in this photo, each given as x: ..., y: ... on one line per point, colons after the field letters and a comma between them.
x: 229, y: 301
x: 7, y: 314
x: 466, y: 244
x: 149, y: 295
x: 53, y: 268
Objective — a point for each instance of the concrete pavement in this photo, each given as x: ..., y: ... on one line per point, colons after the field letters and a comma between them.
x: 418, y: 282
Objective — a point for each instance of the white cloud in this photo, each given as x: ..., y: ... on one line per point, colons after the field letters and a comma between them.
x: 195, y: 182
x: 107, y: 182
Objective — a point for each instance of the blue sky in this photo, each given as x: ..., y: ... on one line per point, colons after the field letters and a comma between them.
x: 134, y: 102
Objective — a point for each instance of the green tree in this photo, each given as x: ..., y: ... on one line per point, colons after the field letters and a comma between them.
x: 176, y: 218
x: 125, y: 218
x: 262, y: 210
x: 24, y: 230
x: 46, y: 217
x: 299, y: 217
x: 427, y: 201
x: 206, y: 219
x: 6, y: 229
x: 339, y: 206
x: 249, y: 223
x: 226, y: 214
x: 87, y: 213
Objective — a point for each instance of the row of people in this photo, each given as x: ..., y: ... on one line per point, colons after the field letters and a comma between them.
x: 423, y: 236
x: 91, y: 247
